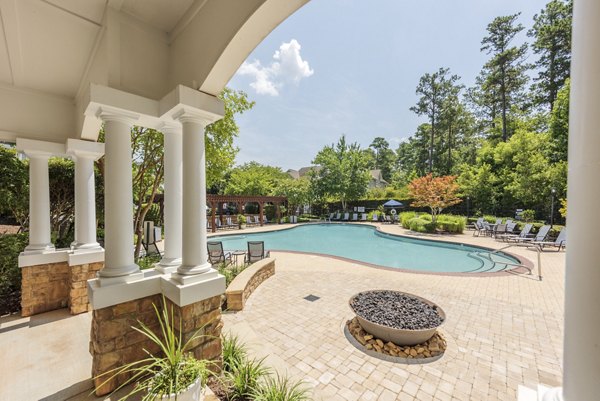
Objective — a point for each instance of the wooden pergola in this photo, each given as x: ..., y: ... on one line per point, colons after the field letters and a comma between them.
x: 217, y: 201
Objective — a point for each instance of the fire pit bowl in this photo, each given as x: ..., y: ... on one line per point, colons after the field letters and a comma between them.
x: 399, y: 317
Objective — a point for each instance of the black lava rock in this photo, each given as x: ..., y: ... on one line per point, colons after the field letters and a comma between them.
x: 396, y: 310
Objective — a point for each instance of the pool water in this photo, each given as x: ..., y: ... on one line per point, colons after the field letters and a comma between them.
x: 364, y: 243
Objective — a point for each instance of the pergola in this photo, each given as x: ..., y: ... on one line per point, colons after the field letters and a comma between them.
x: 69, y: 67
x: 215, y: 201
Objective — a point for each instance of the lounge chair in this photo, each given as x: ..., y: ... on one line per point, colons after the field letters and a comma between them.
x: 216, y: 254
x: 478, y: 227
x: 539, y: 237
x: 354, y: 216
x: 559, y: 243
x: 229, y: 223
x: 331, y: 216
x: 256, y: 252
x: 338, y: 217
x: 375, y: 217
x: 523, y: 234
x: 218, y: 223
x: 346, y: 217
x: 387, y: 219
x: 363, y: 217
x: 499, y: 229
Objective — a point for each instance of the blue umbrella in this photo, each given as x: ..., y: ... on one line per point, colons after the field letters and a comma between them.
x: 392, y: 203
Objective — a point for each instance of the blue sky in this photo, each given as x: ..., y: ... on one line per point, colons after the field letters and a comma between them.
x: 351, y: 67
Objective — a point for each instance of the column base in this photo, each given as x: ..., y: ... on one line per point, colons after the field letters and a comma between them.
x: 168, y: 265
x: 39, y: 248
x: 185, y: 279
x: 185, y: 270
x: 122, y: 272
x: 129, y: 278
x: 85, y: 246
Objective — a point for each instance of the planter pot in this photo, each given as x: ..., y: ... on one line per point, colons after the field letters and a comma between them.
x: 195, y: 392
x: 242, y: 226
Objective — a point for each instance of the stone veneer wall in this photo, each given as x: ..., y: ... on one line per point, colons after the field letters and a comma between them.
x: 114, y: 342
x: 56, y: 285
x: 78, y: 294
x: 44, y: 288
x: 247, y: 281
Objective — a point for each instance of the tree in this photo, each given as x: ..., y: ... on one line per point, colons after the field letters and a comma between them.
x: 254, y: 179
x: 14, y: 186
x: 552, y: 33
x: 559, y: 124
x: 343, y: 174
x: 148, y: 170
x: 61, y: 175
x: 504, y: 75
x: 298, y: 192
x: 383, y: 157
x: 220, y: 151
x: 434, y: 90
x: 436, y: 193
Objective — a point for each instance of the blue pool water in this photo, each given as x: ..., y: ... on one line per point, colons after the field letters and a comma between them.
x: 365, y: 244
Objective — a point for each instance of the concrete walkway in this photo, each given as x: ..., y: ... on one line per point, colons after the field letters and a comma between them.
x: 502, y: 331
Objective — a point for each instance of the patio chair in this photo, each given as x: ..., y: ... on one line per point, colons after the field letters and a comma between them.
x: 498, y: 221
x: 256, y: 252
x: 354, y: 216
x: 387, y: 219
x: 229, y: 223
x: 375, y: 217
x: 499, y: 229
x: 346, y: 217
x: 478, y: 227
x: 216, y: 254
x: 559, y: 243
x: 523, y: 234
x: 338, y: 217
x: 218, y: 223
x: 539, y: 237
x: 363, y: 217
x: 331, y: 216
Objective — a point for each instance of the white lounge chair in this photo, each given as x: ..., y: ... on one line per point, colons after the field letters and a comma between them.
x: 539, y: 237
x: 559, y: 243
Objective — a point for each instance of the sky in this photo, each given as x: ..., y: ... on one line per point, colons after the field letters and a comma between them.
x: 351, y: 67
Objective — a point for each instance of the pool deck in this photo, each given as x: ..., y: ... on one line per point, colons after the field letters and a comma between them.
x: 503, y: 332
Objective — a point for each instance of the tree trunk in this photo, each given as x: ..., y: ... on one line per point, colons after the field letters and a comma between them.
x: 503, y: 89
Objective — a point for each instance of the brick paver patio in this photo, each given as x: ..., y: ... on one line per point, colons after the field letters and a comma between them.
x: 502, y: 331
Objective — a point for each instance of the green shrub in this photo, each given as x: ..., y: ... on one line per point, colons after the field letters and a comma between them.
x: 528, y: 215
x: 241, y: 219
x: 280, y: 389
x: 148, y: 262
x: 11, y: 245
x: 153, y: 214
x: 451, y: 223
x: 421, y: 225
x: 406, y: 217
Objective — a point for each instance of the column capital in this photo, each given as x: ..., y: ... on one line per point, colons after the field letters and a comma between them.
x: 110, y: 114
x: 192, y: 115
x: 40, y: 149
x: 85, y: 149
x: 169, y: 127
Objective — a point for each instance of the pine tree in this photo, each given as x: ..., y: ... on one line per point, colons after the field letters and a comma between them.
x: 552, y: 33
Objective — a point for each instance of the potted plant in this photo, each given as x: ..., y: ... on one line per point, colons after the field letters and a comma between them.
x: 241, y: 219
x: 173, y: 375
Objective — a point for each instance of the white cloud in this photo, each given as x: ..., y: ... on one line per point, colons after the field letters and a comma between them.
x: 287, y: 67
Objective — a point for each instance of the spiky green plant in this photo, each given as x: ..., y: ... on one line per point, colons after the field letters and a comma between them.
x: 234, y: 352
x: 244, y: 378
x: 280, y: 388
x: 171, y: 373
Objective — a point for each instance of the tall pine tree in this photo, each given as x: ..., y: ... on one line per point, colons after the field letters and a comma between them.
x: 504, y: 74
x: 552, y: 33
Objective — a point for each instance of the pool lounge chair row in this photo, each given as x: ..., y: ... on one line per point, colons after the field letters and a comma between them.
x: 377, y: 217
x: 250, y: 221
x: 539, y: 240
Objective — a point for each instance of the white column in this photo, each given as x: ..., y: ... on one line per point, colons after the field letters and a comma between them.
x: 118, y: 200
x: 39, y: 203
x: 173, y: 214
x: 194, y: 252
x: 581, y: 379
x: 85, y: 153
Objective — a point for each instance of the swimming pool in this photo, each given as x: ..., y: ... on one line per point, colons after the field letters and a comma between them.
x: 364, y: 243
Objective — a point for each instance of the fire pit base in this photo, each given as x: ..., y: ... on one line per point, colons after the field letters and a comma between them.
x: 427, y: 351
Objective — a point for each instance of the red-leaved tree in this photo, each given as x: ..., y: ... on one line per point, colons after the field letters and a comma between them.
x: 436, y: 193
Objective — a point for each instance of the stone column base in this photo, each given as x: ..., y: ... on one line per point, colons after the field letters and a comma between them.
x: 115, y: 343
